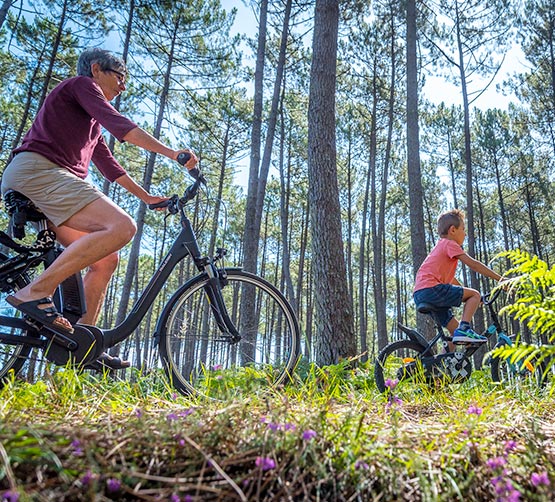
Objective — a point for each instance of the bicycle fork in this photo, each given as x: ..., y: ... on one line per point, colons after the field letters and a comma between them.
x: 213, y: 292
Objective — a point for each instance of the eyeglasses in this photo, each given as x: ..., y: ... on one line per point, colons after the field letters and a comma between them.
x: 120, y: 76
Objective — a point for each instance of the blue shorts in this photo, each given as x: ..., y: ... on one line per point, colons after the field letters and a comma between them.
x: 442, y: 296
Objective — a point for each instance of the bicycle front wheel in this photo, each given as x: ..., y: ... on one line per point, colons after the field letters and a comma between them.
x: 200, y: 357
x: 515, y: 373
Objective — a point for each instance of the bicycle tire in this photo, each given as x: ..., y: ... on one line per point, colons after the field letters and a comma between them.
x: 502, y: 371
x: 391, y: 362
x: 198, y: 359
x: 12, y: 357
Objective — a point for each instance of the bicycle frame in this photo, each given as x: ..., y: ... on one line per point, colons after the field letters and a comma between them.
x: 184, y: 245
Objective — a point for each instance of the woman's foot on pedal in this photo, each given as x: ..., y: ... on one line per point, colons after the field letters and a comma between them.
x: 44, y: 312
x: 467, y: 335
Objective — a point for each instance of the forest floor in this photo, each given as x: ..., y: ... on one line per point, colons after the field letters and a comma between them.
x: 329, y: 436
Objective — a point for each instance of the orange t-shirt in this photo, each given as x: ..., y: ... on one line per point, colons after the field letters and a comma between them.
x: 439, y: 266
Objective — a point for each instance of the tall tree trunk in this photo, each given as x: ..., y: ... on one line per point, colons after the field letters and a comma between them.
x: 416, y: 192
x: 6, y: 4
x: 249, y: 243
x: 28, y: 101
x: 362, y: 279
x: 379, y: 244
x: 285, y: 185
x: 470, y: 230
x: 334, y: 320
x: 416, y: 210
x: 253, y: 218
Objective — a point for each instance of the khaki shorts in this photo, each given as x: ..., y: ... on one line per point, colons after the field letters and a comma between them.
x: 58, y: 193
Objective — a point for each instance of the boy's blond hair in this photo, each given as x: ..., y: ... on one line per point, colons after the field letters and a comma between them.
x: 454, y: 217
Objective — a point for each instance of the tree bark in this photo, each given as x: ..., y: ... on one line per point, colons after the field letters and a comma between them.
x: 334, y: 336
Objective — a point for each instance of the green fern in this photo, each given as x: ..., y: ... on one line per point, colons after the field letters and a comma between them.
x: 533, y: 283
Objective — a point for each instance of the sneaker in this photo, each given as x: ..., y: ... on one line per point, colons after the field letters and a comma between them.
x: 467, y: 335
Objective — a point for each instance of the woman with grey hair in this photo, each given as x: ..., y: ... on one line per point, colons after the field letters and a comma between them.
x: 50, y: 167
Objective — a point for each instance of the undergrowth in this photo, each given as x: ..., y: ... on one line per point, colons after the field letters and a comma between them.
x: 328, y: 436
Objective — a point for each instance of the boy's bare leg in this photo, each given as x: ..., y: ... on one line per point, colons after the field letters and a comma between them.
x: 471, y: 299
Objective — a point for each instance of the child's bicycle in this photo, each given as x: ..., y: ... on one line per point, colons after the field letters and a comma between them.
x: 220, y: 320
x: 415, y: 360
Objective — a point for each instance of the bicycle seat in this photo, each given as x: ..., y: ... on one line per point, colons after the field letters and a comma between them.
x: 427, y: 308
x: 21, y: 210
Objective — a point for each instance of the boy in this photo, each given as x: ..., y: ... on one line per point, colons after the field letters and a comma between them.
x: 435, y: 281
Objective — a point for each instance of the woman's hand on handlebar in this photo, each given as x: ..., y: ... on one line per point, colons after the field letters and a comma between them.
x: 186, y: 158
x: 153, y: 200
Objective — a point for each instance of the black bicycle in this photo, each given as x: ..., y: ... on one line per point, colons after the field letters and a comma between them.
x: 416, y: 360
x: 221, y: 320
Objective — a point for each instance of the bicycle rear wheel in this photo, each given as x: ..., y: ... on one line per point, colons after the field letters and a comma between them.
x: 12, y: 355
x: 199, y: 358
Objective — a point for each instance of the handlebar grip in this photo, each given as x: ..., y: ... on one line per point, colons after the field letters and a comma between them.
x: 164, y: 203
x: 183, y: 158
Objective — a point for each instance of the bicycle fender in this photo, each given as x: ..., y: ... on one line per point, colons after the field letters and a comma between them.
x: 413, y: 335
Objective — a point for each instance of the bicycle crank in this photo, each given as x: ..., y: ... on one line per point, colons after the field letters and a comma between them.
x: 88, y: 345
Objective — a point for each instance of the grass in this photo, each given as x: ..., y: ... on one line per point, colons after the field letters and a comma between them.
x: 328, y: 436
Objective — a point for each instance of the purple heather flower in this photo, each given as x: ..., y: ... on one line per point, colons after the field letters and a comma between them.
x: 139, y: 413
x: 510, y: 446
x: 540, y: 478
x: 171, y: 417
x: 10, y: 496
x: 496, y: 463
x: 188, y: 498
x: 474, y: 410
x: 274, y: 427
x: 186, y: 412
x: 265, y: 463
x: 309, y: 434
x: 391, y: 384
x: 360, y: 464
x: 217, y: 367
x: 76, y: 445
x: 113, y: 485
x: 175, y: 498
x: 392, y: 401
x: 290, y: 427
x: 87, y: 478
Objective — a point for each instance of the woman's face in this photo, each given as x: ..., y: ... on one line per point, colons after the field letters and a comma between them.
x: 111, y: 81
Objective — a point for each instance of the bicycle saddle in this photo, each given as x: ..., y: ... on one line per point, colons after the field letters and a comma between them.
x: 427, y: 308
x: 21, y: 210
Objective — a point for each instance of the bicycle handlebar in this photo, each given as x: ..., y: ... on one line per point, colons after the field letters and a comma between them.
x: 174, y: 203
x: 488, y: 298
x: 183, y: 158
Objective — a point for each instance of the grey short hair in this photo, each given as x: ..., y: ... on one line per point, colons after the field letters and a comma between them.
x: 104, y: 58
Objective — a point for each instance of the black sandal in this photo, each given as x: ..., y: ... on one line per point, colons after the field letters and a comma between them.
x: 107, y: 362
x: 48, y: 316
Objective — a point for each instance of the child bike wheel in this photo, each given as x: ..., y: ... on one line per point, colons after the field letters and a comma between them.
x: 519, y: 372
x: 398, y: 364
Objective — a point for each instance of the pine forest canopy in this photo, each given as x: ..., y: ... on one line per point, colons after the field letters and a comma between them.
x: 241, y: 100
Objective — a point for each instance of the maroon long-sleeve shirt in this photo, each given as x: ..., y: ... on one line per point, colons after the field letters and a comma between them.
x: 68, y: 129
